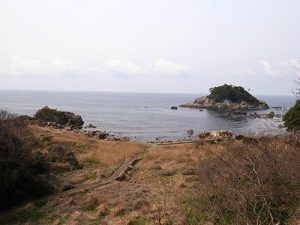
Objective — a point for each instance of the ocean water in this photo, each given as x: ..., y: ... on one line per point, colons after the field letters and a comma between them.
x: 143, y: 116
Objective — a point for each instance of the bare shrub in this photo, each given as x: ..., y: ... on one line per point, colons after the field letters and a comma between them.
x: 251, y: 183
x: 58, y: 153
x: 17, y: 163
x: 15, y: 139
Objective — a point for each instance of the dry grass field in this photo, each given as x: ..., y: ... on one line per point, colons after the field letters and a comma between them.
x: 162, y: 188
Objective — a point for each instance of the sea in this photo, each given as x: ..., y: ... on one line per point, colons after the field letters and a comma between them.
x: 145, y: 116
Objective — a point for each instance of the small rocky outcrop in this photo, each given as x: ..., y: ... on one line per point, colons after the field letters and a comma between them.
x: 270, y: 115
x: 90, y: 126
x: 174, y: 107
x: 58, y: 118
x: 97, y: 134
x: 228, y: 97
x: 237, y: 114
x: 216, y: 134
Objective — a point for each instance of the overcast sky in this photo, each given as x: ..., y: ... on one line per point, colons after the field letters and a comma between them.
x: 184, y: 46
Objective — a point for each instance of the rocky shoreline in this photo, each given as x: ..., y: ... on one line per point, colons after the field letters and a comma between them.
x: 95, y: 134
x: 55, y: 120
x: 69, y: 122
x: 205, y: 102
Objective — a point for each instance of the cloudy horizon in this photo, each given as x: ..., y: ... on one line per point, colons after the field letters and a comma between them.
x: 167, y: 46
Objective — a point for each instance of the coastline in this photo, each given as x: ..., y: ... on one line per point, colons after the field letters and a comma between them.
x: 108, y: 137
x: 121, y: 115
x: 125, y: 176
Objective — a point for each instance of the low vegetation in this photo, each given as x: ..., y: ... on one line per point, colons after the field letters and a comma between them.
x: 235, y: 94
x: 250, y: 183
x: 19, y: 166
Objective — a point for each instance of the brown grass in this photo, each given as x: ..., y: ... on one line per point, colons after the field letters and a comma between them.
x: 162, y: 188
x: 87, y: 150
x: 110, y: 153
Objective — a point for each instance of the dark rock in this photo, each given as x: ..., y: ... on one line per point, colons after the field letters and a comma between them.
x: 264, y: 116
x: 90, y: 126
x: 277, y: 107
x: 190, y: 132
x: 67, y: 187
x: 97, y: 134
x: 174, y: 107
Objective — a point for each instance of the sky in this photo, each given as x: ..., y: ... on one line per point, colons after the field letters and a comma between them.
x: 176, y: 46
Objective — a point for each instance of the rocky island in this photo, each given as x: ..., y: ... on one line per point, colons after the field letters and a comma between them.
x: 228, y: 97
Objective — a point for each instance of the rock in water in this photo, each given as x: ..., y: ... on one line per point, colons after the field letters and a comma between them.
x: 264, y: 116
x: 228, y: 97
x: 190, y: 132
x: 90, y: 126
x: 67, y: 119
x: 237, y: 114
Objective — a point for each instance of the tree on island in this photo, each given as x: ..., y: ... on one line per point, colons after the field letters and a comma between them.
x: 228, y: 97
x: 235, y: 94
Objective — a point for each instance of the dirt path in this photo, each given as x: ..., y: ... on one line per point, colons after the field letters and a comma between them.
x: 117, y: 175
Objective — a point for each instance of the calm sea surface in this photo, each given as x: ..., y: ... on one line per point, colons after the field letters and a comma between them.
x: 143, y: 116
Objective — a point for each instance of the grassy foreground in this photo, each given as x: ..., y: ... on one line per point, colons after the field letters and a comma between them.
x: 245, y: 181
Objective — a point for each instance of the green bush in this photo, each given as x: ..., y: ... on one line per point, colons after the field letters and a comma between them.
x: 292, y: 118
x: 233, y: 93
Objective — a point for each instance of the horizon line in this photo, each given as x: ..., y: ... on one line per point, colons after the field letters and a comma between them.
x: 130, y: 92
